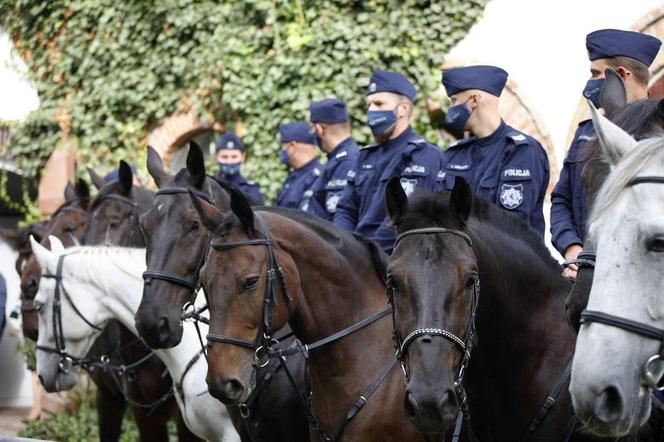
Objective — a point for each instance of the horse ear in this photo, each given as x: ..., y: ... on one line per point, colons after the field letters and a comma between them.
x: 614, y: 141
x: 97, y: 181
x: 612, y: 97
x: 70, y: 193
x: 126, y: 177
x: 242, y: 209
x: 83, y: 193
x: 15, y: 237
x: 461, y: 198
x: 56, y: 244
x: 396, y: 200
x: 196, y: 165
x: 45, y: 257
x: 210, y: 216
x: 155, y: 166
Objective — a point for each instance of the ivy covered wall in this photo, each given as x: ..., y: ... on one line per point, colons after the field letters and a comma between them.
x: 108, y: 71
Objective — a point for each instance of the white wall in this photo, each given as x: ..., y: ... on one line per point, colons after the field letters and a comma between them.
x: 541, y: 43
x: 15, y: 379
x: 17, y: 96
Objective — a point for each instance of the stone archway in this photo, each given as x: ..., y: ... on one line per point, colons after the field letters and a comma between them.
x: 517, y: 110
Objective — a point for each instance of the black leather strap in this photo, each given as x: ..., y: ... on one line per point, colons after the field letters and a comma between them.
x: 645, y: 179
x: 639, y: 328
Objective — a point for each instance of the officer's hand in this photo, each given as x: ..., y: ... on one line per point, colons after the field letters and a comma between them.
x: 572, y: 252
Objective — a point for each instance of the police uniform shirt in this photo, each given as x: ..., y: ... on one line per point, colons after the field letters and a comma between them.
x: 249, y: 188
x: 362, y: 205
x: 568, y: 199
x: 507, y: 168
x: 327, y: 189
x: 297, y: 188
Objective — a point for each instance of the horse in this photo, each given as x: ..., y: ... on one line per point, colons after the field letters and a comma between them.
x: 269, y: 268
x: 619, y: 354
x: 642, y: 119
x: 177, y: 246
x: 67, y: 223
x: 449, y: 244
x: 103, y: 283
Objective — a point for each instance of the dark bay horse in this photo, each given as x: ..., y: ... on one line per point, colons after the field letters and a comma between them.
x: 113, y: 219
x: 269, y: 268
x: 466, y: 275
x: 177, y: 244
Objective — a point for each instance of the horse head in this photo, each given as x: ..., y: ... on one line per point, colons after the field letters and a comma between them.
x: 612, y: 375
x: 176, y: 244
x: 241, y: 297
x: 433, y: 288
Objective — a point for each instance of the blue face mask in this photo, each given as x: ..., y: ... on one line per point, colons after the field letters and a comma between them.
x: 593, y: 89
x: 457, y: 116
x: 283, y: 156
x: 380, y: 121
x: 230, y: 169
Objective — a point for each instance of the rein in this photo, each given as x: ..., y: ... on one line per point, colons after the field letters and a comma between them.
x: 648, y: 331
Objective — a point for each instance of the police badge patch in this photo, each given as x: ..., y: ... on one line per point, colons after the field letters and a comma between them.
x: 511, y: 197
x: 408, y: 185
x: 331, y: 201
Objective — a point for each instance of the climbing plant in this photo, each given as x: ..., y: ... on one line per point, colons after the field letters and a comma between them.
x: 107, y: 71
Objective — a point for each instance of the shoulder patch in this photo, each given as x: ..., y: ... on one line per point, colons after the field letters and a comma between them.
x: 251, y: 183
x: 518, y: 138
x: 351, y: 174
x: 341, y: 154
x: 461, y: 142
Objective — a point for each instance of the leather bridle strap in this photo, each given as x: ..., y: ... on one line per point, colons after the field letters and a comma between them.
x: 585, y: 259
x: 639, y: 328
x: 645, y: 180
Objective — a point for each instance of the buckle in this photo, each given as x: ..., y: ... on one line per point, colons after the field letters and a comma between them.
x: 653, y: 373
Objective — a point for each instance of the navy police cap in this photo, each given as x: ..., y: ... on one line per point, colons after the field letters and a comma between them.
x: 385, y: 81
x: 490, y: 79
x: 329, y: 110
x: 298, y: 131
x: 230, y: 141
x: 608, y: 43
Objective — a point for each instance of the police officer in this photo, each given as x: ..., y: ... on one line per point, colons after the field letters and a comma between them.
x: 332, y: 128
x: 230, y: 156
x: 629, y: 54
x: 501, y: 164
x: 300, y: 154
x: 398, y: 151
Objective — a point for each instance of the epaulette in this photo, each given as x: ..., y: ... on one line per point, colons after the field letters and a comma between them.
x: 518, y: 138
x: 341, y: 154
x: 461, y: 142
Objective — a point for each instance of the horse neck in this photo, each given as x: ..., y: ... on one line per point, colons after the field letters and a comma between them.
x: 333, y: 291
x: 521, y: 327
x: 122, y: 298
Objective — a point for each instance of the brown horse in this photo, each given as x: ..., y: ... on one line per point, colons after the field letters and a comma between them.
x: 177, y: 245
x: 269, y: 268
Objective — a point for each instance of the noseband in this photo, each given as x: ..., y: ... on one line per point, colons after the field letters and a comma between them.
x: 629, y: 325
x: 464, y: 345
x: 264, y: 343
x: 58, y: 334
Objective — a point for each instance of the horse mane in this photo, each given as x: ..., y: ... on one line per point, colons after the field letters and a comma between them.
x: 337, y: 237
x: 127, y: 259
x: 426, y: 209
x: 646, y: 152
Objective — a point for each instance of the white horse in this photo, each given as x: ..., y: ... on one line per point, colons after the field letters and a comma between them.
x: 614, y: 367
x: 102, y: 283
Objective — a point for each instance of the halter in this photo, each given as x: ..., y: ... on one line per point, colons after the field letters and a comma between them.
x: 464, y: 345
x: 629, y: 325
x: 262, y: 344
x: 58, y: 334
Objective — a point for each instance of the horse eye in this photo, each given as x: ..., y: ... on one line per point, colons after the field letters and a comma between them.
x: 392, y: 285
x: 470, y: 282
x: 250, y: 283
x: 656, y: 244
x: 194, y: 226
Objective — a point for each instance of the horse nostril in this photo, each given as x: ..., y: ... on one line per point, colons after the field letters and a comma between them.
x: 610, y: 404
x: 449, y: 401
x: 233, y: 389
x: 411, y: 407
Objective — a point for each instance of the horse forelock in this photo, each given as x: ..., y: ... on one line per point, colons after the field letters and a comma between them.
x: 647, y: 152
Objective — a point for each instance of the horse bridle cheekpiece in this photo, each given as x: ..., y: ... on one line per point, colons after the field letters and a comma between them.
x: 653, y: 368
x: 465, y: 345
x: 265, y: 342
x: 58, y: 334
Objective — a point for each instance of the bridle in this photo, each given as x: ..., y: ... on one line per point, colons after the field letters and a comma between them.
x: 58, y: 335
x: 265, y: 341
x: 639, y: 328
x: 192, y: 283
x: 464, y: 345
x: 133, y: 215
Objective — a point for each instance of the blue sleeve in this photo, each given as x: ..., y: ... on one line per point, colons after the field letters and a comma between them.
x: 563, y: 229
x: 256, y: 195
x: 316, y: 206
x: 347, y: 208
x: 3, y: 303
